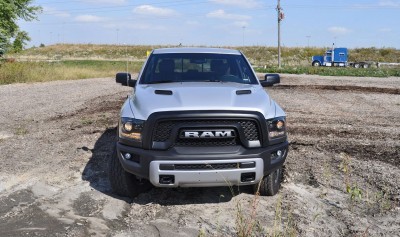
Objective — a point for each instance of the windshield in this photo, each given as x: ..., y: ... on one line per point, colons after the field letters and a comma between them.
x: 197, y: 67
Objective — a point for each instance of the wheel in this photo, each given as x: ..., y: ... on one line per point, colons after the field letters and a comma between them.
x: 270, y: 184
x: 357, y: 65
x: 316, y: 64
x: 365, y: 65
x: 123, y: 183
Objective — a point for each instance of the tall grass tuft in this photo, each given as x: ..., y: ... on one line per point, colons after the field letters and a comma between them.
x: 259, y: 55
x: 20, y: 72
x: 79, y: 61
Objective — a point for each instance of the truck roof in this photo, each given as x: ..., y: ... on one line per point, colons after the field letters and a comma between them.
x: 196, y: 50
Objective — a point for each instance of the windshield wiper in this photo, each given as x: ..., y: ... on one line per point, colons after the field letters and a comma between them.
x: 213, y: 81
x: 162, y: 81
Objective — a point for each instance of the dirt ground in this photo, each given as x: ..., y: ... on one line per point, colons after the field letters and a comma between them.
x: 342, y: 176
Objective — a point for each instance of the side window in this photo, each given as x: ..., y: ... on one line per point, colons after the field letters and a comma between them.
x: 244, y: 70
x: 151, y: 69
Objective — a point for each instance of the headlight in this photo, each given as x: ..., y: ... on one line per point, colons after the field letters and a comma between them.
x: 130, y: 128
x: 276, y: 127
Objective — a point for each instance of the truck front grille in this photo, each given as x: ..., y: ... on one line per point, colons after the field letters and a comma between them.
x: 168, y: 131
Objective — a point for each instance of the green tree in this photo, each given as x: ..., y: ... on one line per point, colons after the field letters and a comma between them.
x: 20, y: 41
x: 10, y: 12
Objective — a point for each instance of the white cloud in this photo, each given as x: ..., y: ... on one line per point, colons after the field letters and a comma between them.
x: 192, y: 23
x: 221, y: 14
x: 110, y: 2
x: 55, y: 12
x: 388, y: 3
x: 239, y: 3
x: 380, y: 3
x: 338, y: 30
x: 385, y: 30
x: 89, y: 18
x: 154, y: 11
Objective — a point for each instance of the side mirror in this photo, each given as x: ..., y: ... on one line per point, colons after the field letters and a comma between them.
x: 270, y: 80
x: 125, y: 79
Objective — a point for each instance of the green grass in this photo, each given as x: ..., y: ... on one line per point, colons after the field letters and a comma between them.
x: 21, y: 131
x: 327, y: 71
x: 87, y: 51
x: 22, y: 72
x: 79, y: 61
x: 259, y: 55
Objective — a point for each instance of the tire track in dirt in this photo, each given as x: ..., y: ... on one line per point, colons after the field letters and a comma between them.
x: 360, y: 89
x: 66, y: 193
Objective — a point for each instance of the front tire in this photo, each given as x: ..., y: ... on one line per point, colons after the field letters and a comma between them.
x: 124, y: 184
x: 270, y: 184
x: 316, y: 64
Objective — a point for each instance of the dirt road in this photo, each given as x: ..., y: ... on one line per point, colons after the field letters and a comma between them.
x: 342, y: 176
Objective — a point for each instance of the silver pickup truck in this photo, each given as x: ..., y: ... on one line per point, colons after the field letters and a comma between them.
x: 198, y: 117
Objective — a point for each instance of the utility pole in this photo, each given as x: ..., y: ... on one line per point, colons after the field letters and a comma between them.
x: 244, y: 27
x: 280, y: 18
x: 308, y: 41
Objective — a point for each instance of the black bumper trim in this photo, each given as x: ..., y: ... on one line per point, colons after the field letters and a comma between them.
x: 141, y: 168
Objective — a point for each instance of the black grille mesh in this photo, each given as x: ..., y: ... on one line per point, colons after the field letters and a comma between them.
x: 206, y: 142
x: 206, y: 166
x: 250, y: 130
x: 163, y: 131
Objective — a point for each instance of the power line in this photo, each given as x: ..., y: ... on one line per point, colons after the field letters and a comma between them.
x: 185, y: 2
x: 344, y: 7
x: 127, y: 7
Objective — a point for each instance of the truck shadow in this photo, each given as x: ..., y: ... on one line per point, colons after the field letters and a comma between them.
x: 96, y: 173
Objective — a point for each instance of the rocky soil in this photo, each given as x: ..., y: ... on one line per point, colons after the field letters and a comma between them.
x: 342, y: 175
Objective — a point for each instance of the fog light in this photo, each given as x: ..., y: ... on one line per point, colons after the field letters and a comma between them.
x: 128, y: 126
x: 277, y: 154
x: 280, y: 124
x: 127, y: 156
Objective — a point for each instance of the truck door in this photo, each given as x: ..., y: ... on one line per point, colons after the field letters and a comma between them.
x: 328, y: 58
x: 342, y: 56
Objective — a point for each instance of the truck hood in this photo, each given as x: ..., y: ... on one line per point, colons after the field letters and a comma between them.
x: 194, y: 96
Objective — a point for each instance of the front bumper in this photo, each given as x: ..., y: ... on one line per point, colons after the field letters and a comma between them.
x: 205, y: 177
x: 197, y: 164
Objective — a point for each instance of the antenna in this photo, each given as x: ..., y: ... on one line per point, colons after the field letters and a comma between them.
x: 127, y: 63
x: 127, y: 57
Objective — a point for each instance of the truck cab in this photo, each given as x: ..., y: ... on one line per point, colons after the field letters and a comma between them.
x: 336, y: 57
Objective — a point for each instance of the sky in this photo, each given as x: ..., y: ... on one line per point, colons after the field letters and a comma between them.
x: 352, y: 24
